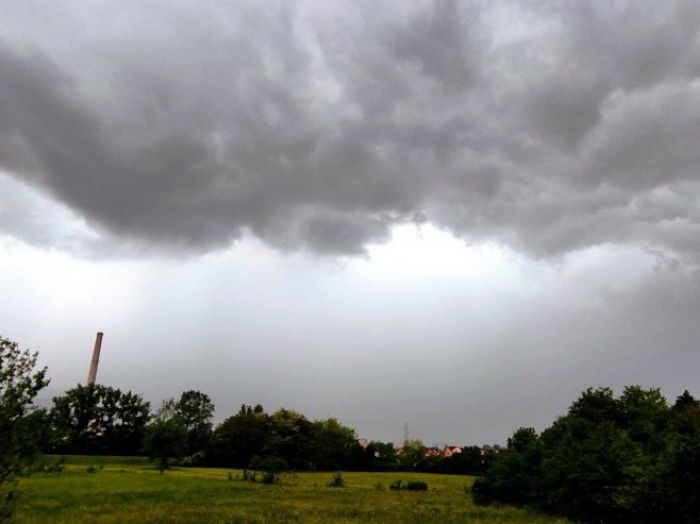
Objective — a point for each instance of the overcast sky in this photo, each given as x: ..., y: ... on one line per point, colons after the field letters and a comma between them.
x: 457, y: 215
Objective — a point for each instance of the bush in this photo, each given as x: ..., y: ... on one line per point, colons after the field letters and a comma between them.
x: 48, y: 466
x: 397, y: 485
x: 194, y: 460
x: 272, y: 468
x: 337, y: 480
x: 411, y: 485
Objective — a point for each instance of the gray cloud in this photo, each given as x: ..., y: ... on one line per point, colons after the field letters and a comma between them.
x: 319, y: 127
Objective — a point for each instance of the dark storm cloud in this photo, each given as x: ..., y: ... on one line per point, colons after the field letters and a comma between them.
x: 318, y: 127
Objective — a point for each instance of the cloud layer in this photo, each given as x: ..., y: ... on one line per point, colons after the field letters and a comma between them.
x: 318, y: 127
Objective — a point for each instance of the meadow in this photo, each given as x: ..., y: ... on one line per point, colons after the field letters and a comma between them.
x: 111, y: 490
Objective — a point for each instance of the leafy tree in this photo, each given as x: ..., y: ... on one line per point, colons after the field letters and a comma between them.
x: 597, y: 405
x: 685, y: 401
x: 97, y: 419
x: 588, y: 469
x: 646, y: 417
x: 195, y: 410
x: 468, y: 462
x: 288, y: 437
x: 382, y: 456
x: 413, y: 453
x: 20, y: 427
x: 238, y: 438
x: 513, y: 478
x: 330, y: 444
x: 165, y: 440
x: 675, y: 490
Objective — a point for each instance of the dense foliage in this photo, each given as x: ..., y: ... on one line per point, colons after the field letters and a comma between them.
x: 194, y: 410
x: 102, y: 420
x: 165, y: 440
x: 631, y: 458
x: 98, y: 419
x: 252, y: 434
x: 326, y: 445
x: 21, y: 426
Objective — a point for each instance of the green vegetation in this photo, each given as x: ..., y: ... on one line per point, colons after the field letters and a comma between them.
x: 194, y: 410
x: 627, y: 459
x: 86, y: 460
x: 21, y: 426
x: 131, y: 493
x: 337, y: 480
x: 98, y: 419
x: 165, y: 440
x: 411, y: 485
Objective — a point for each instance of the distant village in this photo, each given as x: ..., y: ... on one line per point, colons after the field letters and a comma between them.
x: 444, y: 451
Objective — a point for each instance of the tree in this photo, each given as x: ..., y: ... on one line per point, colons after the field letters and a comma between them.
x: 513, y: 478
x: 195, y: 410
x: 97, y: 419
x: 20, y: 430
x: 685, y: 401
x: 413, y: 453
x: 238, y: 438
x: 675, y: 490
x: 288, y: 437
x: 382, y: 456
x: 468, y: 462
x: 330, y: 445
x: 165, y: 440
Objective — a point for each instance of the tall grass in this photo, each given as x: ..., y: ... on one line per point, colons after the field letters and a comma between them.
x: 137, y: 493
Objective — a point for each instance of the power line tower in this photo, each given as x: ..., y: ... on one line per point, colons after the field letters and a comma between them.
x: 405, y: 432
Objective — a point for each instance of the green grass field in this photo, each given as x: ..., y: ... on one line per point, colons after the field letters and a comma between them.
x: 129, y: 490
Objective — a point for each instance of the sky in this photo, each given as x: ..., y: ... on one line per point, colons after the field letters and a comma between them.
x: 455, y: 215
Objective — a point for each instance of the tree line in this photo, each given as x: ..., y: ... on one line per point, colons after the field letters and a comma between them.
x: 101, y: 420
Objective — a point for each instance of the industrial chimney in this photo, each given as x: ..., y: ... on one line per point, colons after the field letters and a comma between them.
x: 95, y: 360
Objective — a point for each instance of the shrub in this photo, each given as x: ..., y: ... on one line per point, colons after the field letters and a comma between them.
x: 248, y: 475
x: 397, y: 485
x: 269, y: 477
x: 48, y: 466
x: 411, y: 485
x: 194, y: 460
x: 272, y: 468
x: 337, y: 480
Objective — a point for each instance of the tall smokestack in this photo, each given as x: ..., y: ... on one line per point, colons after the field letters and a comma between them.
x: 95, y: 359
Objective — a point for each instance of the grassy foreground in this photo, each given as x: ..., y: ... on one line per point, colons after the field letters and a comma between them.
x: 129, y: 490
